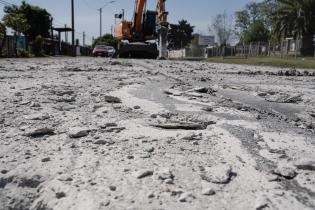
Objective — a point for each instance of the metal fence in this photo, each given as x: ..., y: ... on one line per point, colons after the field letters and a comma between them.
x: 187, y: 53
x: 9, y: 48
x: 288, y: 47
x: 49, y: 47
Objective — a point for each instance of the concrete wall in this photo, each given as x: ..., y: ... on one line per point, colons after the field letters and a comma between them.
x: 187, y: 53
x: 177, y: 53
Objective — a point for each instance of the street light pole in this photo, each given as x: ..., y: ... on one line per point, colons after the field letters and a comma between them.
x: 101, y: 12
x: 101, y: 32
x: 72, y: 25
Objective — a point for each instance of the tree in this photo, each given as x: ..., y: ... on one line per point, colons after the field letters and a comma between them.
x: 297, y: 19
x: 180, y: 35
x: 36, y: 18
x: 17, y: 22
x: 264, y: 12
x: 242, y: 22
x: 2, y: 36
x: 256, y: 32
x: 222, y: 28
x: 107, y: 39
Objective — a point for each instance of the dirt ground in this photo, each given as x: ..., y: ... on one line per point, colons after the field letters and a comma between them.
x: 95, y: 133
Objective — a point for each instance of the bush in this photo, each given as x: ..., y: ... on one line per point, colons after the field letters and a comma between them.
x: 37, y: 46
x: 4, y: 53
x: 21, y: 53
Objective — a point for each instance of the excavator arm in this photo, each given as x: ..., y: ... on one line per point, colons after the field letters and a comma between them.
x: 143, y: 28
x: 139, y: 11
x: 162, y: 14
x: 137, y: 19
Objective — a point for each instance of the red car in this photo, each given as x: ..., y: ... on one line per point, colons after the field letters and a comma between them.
x: 104, y: 51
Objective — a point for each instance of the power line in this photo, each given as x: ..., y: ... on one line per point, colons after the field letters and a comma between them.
x: 56, y: 22
x: 87, y: 5
x: 6, y: 3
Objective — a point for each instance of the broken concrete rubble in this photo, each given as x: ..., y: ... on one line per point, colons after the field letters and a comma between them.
x: 78, y: 132
x: 220, y: 174
x: 286, y: 172
x: 120, y: 162
x: 181, y: 126
x: 285, y: 98
x: 143, y: 173
x: 112, y: 99
x: 36, y: 132
x: 305, y: 164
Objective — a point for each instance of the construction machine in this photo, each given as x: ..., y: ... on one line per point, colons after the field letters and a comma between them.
x: 136, y: 38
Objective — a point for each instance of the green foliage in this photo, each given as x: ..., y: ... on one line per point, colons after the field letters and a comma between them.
x: 36, y: 20
x: 222, y: 28
x: 195, y: 41
x: 37, y: 46
x: 17, y: 22
x: 296, y: 19
x: 22, y: 53
x: 107, y: 39
x: 264, y: 12
x: 2, y: 36
x: 242, y: 21
x: 256, y: 32
x: 4, y: 53
x: 2, y: 31
x: 180, y: 35
x: 289, y: 62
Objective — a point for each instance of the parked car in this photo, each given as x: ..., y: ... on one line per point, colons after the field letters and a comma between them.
x: 104, y: 51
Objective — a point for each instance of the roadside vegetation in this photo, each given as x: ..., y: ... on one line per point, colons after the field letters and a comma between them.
x: 32, y: 21
x: 287, y: 62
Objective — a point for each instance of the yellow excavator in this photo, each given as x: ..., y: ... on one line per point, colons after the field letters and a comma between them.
x: 136, y: 38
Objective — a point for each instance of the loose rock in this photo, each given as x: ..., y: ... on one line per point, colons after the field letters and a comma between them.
x: 78, y: 132
x: 60, y: 195
x: 186, y: 197
x: 286, y: 172
x: 143, y: 173
x: 208, y: 191
x: 221, y: 174
x: 46, y: 159
x: 112, y: 99
x: 36, y: 132
x: 305, y: 164
x: 164, y: 174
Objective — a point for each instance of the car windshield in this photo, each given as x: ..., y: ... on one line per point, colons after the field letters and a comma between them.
x: 100, y: 47
x: 103, y: 47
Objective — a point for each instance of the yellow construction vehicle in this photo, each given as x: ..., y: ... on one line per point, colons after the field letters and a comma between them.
x: 134, y: 36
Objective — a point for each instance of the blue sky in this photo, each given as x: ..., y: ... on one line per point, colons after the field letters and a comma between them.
x: 198, y: 12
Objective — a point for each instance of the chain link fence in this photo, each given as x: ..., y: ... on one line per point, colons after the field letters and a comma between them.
x: 288, y: 47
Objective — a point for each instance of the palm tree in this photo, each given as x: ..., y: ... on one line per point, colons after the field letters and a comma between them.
x: 296, y: 18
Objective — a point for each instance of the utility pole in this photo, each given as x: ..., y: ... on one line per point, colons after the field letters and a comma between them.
x: 72, y: 25
x: 52, y: 37
x: 101, y: 12
x: 101, y: 32
x: 83, y: 39
x: 66, y: 34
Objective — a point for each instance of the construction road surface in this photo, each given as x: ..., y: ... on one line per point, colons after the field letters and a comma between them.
x: 95, y: 133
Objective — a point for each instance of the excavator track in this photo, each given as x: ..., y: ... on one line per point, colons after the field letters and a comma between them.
x: 138, y: 50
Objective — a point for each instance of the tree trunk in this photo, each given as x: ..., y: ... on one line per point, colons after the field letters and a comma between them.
x: 2, y: 42
x: 307, y: 48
